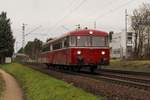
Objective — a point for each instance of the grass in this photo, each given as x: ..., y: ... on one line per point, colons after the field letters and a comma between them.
x: 1, y: 86
x: 135, y: 65
x: 39, y: 86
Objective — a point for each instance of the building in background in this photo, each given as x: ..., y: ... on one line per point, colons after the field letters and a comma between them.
x: 129, y: 44
x: 121, y: 45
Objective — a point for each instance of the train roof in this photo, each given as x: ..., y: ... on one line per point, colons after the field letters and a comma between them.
x: 80, y: 33
x: 88, y: 32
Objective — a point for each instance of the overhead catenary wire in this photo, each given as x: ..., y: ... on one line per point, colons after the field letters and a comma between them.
x: 70, y: 6
x: 57, y: 22
x: 111, y: 2
x: 70, y: 12
x: 107, y: 4
x: 114, y: 10
x: 54, y: 27
x: 103, y: 15
x: 25, y: 34
x: 33, y: 30
x: 73, y: 10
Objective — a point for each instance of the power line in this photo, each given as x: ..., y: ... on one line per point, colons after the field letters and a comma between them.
x: 72, y: 11
x: 70, y: 6
x: 33, y: 30
x: 115, y: 9
x: 25, y: 34
x: 76, y: 8
x: 110, y: 11
x: 108, y: 4
x: 104, y: 6
x: 69, y: 13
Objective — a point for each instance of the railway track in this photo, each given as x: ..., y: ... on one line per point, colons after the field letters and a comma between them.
x: 145, y: 74
x: 127, y: 78
x: 135, y: 79
x: 140, y: 81
x: 124, y: 80
x: 113, y: 88
x: 131, y: 81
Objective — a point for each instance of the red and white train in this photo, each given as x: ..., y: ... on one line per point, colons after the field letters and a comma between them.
x: 77, y: 49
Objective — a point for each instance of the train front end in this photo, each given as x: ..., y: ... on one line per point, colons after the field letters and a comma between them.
x: 89, y: 48
x: 90, y: 56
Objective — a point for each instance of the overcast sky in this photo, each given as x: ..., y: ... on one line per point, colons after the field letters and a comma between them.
x: 58, y: 16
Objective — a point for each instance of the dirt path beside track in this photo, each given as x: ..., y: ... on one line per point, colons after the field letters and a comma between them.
x: 12, y: 90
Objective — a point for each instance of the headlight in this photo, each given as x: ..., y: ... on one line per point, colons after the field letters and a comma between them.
x: 90, y: 32
x: 78, y: 52
x: 103, y: 52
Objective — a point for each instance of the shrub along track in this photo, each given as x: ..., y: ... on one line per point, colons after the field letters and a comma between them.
x: 98, y: 85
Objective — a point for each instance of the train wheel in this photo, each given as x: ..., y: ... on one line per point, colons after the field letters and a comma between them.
x: 76, y: 68
x: 60, y: 67
x: 65, y: 67
x: 93, y: 68
x: 71, y: 68
x: 47, y: 66
x: 54, y: 66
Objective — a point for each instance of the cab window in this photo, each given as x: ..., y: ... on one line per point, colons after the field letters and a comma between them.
x: 84, y: 41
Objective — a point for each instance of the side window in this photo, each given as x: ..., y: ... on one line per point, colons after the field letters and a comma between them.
x: 43, y: 49
x: 46, y: 48
x: 66, y: 42
x: 51, y: 47
x: 57, y: 45
x: 73, y: 41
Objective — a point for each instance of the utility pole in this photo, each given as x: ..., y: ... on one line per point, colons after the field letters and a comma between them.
x: 16, y: 46
x: 23, y: 36
x: 126, y: 29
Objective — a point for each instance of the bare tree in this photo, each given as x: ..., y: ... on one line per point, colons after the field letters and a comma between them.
x: 141, y: 27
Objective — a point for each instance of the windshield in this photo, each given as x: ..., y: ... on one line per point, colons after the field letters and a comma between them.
x: 98, y: 41
x: 83, y: 41
x: 88, y: 41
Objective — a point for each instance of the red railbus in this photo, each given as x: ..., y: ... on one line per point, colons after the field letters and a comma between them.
x: 77, y: 49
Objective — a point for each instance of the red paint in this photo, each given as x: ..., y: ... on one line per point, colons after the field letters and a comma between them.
x: 68, y: 56
x: 86, y: 32
x: 90, y: 55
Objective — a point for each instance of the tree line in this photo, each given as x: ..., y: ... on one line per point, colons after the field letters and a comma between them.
x: 32, y: 49
x: 6, y: 37
x: 140, y: 25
